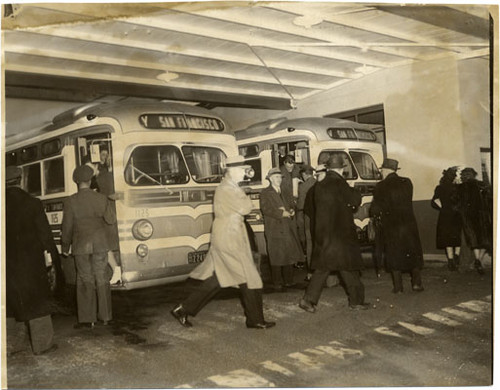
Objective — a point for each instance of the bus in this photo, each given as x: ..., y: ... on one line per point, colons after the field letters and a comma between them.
x: 312, y: 141
x: 165, y: 159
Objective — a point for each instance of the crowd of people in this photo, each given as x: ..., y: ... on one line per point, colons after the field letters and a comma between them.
x: 308, y: 218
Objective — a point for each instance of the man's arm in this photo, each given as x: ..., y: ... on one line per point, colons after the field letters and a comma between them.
x: 67, y: 227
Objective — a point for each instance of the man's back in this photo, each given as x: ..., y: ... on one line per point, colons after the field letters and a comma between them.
x: 86, y: 214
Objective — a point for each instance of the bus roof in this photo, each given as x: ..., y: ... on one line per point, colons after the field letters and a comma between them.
x: 127, y: 111
x: 317, y: 125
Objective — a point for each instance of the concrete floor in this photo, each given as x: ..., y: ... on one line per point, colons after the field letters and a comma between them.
x: 392, y: 344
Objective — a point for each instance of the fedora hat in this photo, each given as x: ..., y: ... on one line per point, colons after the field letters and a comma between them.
x: 321, y: 168
x: 82, y: 173
x: 273, y: 171
x: 290, y: 157
x: 236, y: 161
x: 335, y: 161
x: 390, y: 163
x: 12, y: 173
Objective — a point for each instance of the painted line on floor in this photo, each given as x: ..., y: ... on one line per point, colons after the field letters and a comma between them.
x: 304, y: 361
x: 477, y: 306
x: 387, y: 332
x: 458, y: 313
x: 241, y: 378
x: 441, y: 319
x: 421, y: 330
x: 338, y: 350
x: 275, y: 367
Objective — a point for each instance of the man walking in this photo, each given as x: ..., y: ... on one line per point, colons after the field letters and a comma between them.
x: 28, y: 235
x: 86, y: 216
x: 229, y: 262
x: 336, y: 246
x: 392, y: 203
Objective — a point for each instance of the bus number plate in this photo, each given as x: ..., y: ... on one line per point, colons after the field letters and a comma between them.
x: 196, y: 257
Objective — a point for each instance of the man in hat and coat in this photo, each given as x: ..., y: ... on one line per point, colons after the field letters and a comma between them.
x: 86, y: 216
x: 336, y: 246
x: 283, y: 245
x: 28, y: 235
x: 229, y: 262
x: 392, y: 203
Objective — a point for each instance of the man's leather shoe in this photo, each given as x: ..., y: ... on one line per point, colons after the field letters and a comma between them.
x: 307, y: 306
x: 52, y: 348
x: 418, y: 288
x: 263, y: 325
x: 180, y: 315
x: 364, y: 306
x: 397, y: 291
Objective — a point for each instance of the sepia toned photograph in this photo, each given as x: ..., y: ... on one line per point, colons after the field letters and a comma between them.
x: 248, y: 194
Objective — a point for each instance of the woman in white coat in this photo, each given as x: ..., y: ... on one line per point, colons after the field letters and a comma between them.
x: 229, y: 262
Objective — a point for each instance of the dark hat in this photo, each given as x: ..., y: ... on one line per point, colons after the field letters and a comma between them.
x: 307, y: 169
x: 289, y: 157
x: 389, y: 163
x: 335, y: 161
x: 82, y: 173
x: 273, y: 171
x: 12, y: 173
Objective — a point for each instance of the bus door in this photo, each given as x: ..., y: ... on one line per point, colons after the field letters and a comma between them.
x: 299, y: 149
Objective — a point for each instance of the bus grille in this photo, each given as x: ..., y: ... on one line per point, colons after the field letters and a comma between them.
x: 162, y: 197
x: 365, y: 188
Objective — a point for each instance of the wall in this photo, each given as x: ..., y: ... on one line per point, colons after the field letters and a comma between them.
x: 436, y: 116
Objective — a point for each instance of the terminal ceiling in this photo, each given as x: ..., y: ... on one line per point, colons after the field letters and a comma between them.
x: 266, y: 55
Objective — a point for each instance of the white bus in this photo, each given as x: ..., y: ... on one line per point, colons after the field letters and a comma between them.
x: 313, y: 141
x: 165, y: 163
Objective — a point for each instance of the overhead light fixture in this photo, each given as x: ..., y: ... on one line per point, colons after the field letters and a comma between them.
x: 365, y: 69
x: 167, y: 76
x: 307, y: 21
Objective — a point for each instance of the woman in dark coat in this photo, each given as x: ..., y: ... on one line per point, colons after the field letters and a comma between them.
x: 449, y: 225
x: 474, y: 206
x: 392, y: 203
x: 283, y: 245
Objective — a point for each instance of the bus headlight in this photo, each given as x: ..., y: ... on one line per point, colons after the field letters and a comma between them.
x: 142, y: 250
x: 142, y: 230
x: 249, y: 172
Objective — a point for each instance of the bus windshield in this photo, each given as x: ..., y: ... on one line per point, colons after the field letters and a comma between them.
x: 165, y: 165
x: 365, y: 165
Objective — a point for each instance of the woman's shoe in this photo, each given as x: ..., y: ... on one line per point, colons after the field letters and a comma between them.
x: 479, y: 267
x: 451, y: 265
x: 117, y: 275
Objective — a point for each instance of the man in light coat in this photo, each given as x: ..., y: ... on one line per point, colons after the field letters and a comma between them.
x: 336, y: 246
x: 86, y: 216
x: 229, y: 262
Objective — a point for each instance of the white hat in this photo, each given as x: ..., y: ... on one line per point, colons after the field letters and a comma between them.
x: 236, y: 161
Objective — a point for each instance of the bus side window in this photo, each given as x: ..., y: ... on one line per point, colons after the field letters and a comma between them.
x: 53, y: 172
x: 32, y: 183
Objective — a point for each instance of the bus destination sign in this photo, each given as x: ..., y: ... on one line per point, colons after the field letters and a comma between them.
x: 180, y: 122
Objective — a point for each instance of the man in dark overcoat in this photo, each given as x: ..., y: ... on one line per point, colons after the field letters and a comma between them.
x: 85, y: 219
x: 392, y: 203
x: 283, y: 245
x: 336, y: 246
x: 28, y: 235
